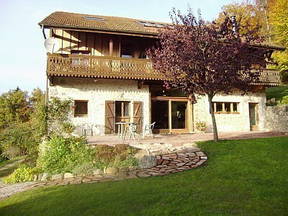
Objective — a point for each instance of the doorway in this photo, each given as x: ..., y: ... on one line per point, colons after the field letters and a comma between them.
x: 170, y: 115
x: 122, y: 112
x: 253, y: 116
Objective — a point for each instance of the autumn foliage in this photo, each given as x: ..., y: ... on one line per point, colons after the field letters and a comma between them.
x: 206, y: 59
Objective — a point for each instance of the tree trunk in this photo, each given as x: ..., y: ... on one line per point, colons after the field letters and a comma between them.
x: 215, y: 132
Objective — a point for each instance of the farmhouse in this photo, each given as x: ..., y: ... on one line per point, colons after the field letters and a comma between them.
x: 100, y: 63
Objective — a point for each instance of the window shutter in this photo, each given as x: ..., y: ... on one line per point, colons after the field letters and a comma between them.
x: 138, y: 115
x: 109, y: 117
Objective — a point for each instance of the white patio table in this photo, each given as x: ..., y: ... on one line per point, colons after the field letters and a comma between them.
x: 122, y: 129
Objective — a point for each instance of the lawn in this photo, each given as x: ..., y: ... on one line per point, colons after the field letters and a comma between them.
x: 277, y: 92
x: 243, y: 177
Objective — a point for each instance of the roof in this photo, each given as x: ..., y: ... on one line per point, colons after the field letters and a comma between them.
x: 61, y: 19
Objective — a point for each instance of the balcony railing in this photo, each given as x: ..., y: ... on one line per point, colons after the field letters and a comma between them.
x: 101, y: 66
x: 115, y: 67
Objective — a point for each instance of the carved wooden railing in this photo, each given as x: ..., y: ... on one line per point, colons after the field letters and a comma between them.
x: 115, y: 67
x: 101, y: 66
x: 270, y: 76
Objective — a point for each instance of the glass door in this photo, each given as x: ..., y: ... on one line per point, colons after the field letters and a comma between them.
x: 170, y: 115
x: 179, y: 113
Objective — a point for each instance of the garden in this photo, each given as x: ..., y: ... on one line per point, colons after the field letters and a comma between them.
x: 32, y: 152
x: 242, y: 177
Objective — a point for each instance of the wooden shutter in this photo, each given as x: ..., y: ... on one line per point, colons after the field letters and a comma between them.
x: 138, y: 115
x: 109, y: 117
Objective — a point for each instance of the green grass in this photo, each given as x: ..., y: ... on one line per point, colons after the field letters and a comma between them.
x: 243, y: 177
x: 277, y: 92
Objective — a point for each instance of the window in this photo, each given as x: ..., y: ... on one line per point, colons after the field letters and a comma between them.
x: 80, y: 108
x: 122, y: 108
x: 225, y: 107
x: 93, y: 18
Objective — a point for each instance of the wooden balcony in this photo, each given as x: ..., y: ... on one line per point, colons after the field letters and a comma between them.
x: 270, y: 77
x: 101, y: 67
x: 120, y: 68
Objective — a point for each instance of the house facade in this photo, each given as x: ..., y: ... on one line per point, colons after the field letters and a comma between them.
x: 101, y: 65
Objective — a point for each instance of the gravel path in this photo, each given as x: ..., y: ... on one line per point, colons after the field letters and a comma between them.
x: 8, y: 190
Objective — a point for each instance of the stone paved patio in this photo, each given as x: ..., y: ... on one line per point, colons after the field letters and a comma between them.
x: 176, y: 142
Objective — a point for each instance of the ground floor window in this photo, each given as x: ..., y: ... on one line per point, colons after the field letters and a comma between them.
x: 80, y: 108
x: 226, y: 107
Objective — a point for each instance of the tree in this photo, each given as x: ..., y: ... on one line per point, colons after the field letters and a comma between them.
x: 250, y: 15
x: 14, y: 107
x: 22, y: 123
x: 204, y: 59
x: 278, y: 19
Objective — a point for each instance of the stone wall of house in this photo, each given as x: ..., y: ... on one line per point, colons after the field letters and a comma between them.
x: 97, y: 92
x: 277, y: 118
x: 231, y: 122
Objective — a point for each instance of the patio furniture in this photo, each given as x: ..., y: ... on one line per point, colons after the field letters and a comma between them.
x: 121, y: 128
x: 126, y: 129
x: 86, y: 129
x: 132, y: 128
x: 148, y: 129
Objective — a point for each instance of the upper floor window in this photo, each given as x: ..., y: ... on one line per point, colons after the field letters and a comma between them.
x: 80, y: 108
x: 226, y: 107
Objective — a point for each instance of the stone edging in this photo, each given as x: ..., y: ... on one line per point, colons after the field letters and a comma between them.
x: 173, y: 163
x: 165, y: 164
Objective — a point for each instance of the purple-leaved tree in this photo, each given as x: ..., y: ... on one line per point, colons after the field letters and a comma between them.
x: 205, y: 59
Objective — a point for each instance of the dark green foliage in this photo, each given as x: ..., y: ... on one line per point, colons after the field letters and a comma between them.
x: 241, y: 177
x: 22, y: 123
x: 284, y: 77
x: 277, y: 92
x: 19, y: 139
x: 64, y: 154
x: 14, y: 108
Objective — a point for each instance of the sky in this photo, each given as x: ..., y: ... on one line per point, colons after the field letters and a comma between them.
x: 23, y: 56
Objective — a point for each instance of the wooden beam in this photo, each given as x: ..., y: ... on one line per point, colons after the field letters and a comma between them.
x: 170, y: 116
x: 110, y: 47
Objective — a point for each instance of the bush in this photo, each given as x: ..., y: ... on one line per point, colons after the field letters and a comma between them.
x: 201, y: 126
x: 18, y: 139
x: 117, y: 156
x: 84, y: 169
x: 21, y: 174
x: 64, y: 154
x: 284, y: 100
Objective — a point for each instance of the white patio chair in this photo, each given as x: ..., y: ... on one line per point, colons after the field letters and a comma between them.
x: 86, y: 128
x: 132, y: 128
x: 148, y: 129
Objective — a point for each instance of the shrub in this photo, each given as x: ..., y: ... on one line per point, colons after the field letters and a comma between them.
x: 84, y: 169
x: 129, y: 161
x: 18, y: 139
x: 64, y: 154
x: 117, y: 156
x: 21, y: 174
x: 284, y: 100
x: 201, y: 126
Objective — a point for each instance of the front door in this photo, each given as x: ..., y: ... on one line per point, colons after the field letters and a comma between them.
x: 253, y: 116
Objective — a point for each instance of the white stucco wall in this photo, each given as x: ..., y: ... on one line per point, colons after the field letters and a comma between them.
x: 97, y: 92
x: 231, y: 122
